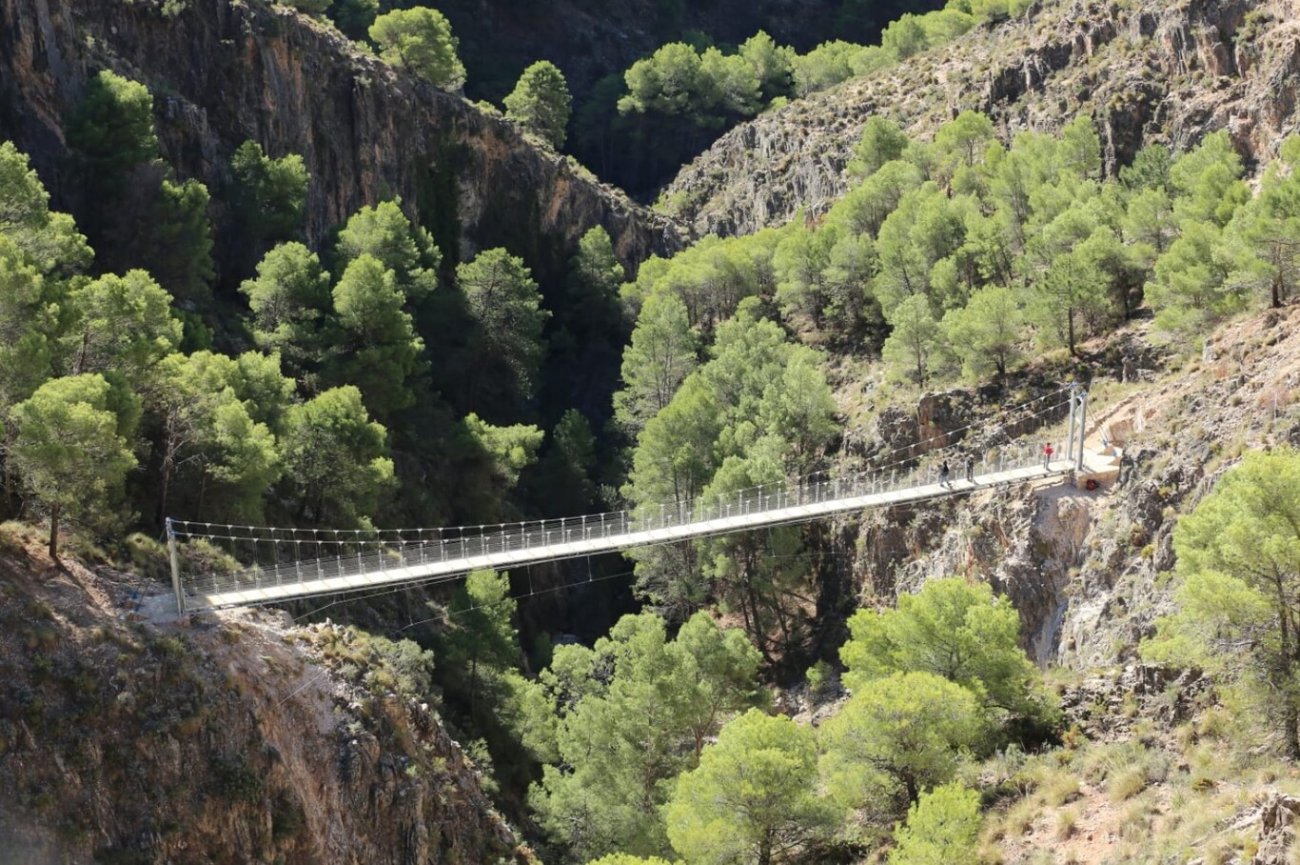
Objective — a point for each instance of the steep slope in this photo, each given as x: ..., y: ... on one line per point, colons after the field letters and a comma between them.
x: 1145, y: 71
x: 239, y: 739
x: 1084, y: 567
x: 223, y: 71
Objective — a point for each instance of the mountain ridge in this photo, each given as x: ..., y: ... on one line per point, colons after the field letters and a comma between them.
x: 225, y: 71
x: 1145, y: 72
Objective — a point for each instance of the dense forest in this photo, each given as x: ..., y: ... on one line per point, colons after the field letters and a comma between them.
x: 151, y: 365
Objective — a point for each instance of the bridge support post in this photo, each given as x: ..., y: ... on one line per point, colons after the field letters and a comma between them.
x: 175, y: 557
x: 1074, y: 417
x: 1082, y: 401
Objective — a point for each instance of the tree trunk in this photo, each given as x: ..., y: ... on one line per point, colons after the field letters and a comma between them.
x: 760, y: 638
x: 9, y: 496
x: 1069, y: 323
x: 1292, y: 719
x: 168, y: 466
x: 54, y: 533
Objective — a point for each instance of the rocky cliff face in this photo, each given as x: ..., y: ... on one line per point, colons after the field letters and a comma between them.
x: 1086, y: 569
x: 1144, y: 71
x: 236, y: 739
x: 224, y: 71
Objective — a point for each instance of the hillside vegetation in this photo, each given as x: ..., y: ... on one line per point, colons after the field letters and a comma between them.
x: 308, y: 284
x: 1145, y: 72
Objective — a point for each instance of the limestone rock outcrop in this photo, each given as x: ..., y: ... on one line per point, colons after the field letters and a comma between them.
x: 225, y: 71
x: 1145, y: 71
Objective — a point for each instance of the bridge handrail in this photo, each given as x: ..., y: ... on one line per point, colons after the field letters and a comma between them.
x: 376, y: 556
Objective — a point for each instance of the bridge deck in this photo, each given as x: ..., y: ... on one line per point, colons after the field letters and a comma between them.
x: 432, y: 561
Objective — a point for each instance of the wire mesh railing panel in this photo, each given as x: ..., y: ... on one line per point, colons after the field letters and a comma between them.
x: 245, y: 564
x: 227, y: 564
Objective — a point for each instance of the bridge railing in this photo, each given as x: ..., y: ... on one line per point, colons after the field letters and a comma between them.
x: 280, y: 557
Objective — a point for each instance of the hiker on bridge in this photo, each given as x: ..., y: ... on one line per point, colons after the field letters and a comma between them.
x: 970, y: 467
x: 1047, y: 456
x: 943, y: 473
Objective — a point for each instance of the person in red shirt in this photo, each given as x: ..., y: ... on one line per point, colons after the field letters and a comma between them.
x: 1047, y: 455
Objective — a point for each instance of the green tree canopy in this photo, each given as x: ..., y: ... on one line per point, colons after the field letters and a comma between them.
x: 255, y: 379
x: 1149, y: 169
x: 69, y: 449
x: 30, y: 321
x: 770, y: 64
x: 124, y: 324
x: 660, y: 355
x: 753, y: 796
x: 895, y: 737
x: 541, y: 102
x: 209, y: 440
x: 633, y: 711
x: 481, y: 644
x: 112, y: 129
x: 1238, y: 603
x: 510, y: 449
x: 336, y: 460
x: 761, y: 408
x: 507, y: 307
x: 914, y: 339
x: 568, y: 469
x: 420, y: 39
x: 311, y: 7
x: 1265, y: 235
x: 354, y: 17
x: 180, y: 246
x: 951, y: 628
x: 926, y: 228
x: 1208, y: 182
x: 401, y: 246
x: 942, y: 828
x: 987, y: 332
x: 882, y: 141
x: 667, y: 82
x: 1192, y: 287
x: 380, y: 350
x: 270, y: 195
x: 290, y: 299
x: 960, y: 145
x: 48, y: 241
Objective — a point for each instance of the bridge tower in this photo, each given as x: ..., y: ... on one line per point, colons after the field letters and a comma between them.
x: 1078, y: 425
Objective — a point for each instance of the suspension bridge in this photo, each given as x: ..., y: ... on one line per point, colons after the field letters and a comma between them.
x: 227, y: 565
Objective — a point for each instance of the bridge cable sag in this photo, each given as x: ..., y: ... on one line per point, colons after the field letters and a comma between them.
x: 332, y: 561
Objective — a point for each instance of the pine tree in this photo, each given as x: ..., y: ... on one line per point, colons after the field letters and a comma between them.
x: 380, y: 349
x: 420, y: 39
x: 69, y: 449
x: 541, y: 102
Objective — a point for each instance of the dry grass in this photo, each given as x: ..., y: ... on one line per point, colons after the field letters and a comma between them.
x: 1066, y: 822
x: 1020, y: 818
x: 1127, y: 784
x: 1060, y: 789
x: 1175, y: 799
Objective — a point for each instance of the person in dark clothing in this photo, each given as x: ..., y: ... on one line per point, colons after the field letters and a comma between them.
x: 1125, y: 468
x: 943, y: 474
x: 970, y: 468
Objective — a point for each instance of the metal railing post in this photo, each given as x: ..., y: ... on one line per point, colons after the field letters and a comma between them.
x: 174, y: 555
x: 1083, y: 416
x: 1074, y: 398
